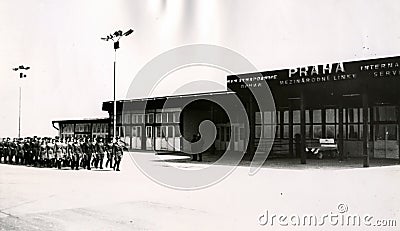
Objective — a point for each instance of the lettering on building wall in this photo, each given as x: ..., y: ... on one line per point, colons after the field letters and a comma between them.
x: 325, y: 69
x: 390, y: 69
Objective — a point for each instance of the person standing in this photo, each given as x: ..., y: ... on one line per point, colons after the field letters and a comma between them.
x: 51, y: 152
x: 110, y: 153
x: 35, y: 151
x: 194, y: 148
x: 118, y: 152
x: 58, y: 152
x: 200, y: 147
x: 70, y: 151
x: 19, y: 157
x: 43, y: 153
x: 28, y: 153
x: 100, y: 150
x: 76, y: 154
x: 87, y: 153
x: 6, y: 146
x: 64, y: 147
x: 13, y: 151
x: 2, y: 149
x: 95, y: 157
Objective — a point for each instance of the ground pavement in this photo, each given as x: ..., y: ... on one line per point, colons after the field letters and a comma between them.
x: 51, y: 199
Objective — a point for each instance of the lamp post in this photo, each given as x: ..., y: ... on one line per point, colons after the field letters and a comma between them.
x: 115, y: 38
x: 21, y: 76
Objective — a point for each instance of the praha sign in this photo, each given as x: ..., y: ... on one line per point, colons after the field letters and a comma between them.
x: 317, y: 73
x: 368, y: 69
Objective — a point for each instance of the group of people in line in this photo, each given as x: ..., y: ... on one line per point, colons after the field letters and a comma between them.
x: 71, y: 152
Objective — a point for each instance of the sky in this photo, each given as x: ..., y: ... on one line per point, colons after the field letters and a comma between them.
x: 72, y: 68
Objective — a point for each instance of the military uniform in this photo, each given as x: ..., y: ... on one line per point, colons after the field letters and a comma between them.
x: 87, y: 149
x: 101, y: 149
x: 28, y: 156
x: 118, y: 152
x: 51, y: 153
x: 19, y: 157
x: 64, y: 158
x: 70, y: 151
x: 13, y: 151
x: 77, y: 155
x: 110, y: 153
x: 35, y: 151
x: 2, y: 150
x: 43, y: 154
x: 58, y: 153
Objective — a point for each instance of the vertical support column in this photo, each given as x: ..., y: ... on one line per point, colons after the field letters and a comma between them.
x: 398, y: 128
x: 303, y: 129
x: 291, y: 153
x: 281, y: 124
x: 372, y: 130
x: 341, y: 135
x: 144, y: 135
x: 365, y: 129
x: 212, y: 115
x: 115, y: 102
x: 252, y: 122
x: 323, y: 121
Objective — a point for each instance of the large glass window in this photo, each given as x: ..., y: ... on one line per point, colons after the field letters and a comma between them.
x: 386, y: 132
x: 317, y: 116
x: 164, y: 117
x: 149, y: 118
x: 386, y: 113
x: 258, y: 131
x: 317, y: 131
x: 176, y: 117
x: 158, y: 118
x: 170, y: 131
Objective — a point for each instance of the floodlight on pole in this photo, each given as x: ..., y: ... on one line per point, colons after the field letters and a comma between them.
x: 115, y: 37
x: 21, y: 76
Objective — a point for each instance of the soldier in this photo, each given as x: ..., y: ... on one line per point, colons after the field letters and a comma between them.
x: 110, y: 153
x: 70, y: 151
x: 58, y: 152
x: 87, y: 153
x: 43, y: 153
x: 28, y: 151
x: 19, y: 157
x: 100, y: 150
x: 2, y: 149
x: 64, y: 147
x: 51, y: 153
x: 118, y: 152
x: 95, y: 155
x: 13, y: 151
x: 77, y: 154
x: 35, y: 150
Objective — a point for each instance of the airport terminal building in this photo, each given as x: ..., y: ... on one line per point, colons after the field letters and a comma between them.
x: 356, y: 103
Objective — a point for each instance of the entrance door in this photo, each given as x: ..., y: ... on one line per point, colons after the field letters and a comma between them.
x: 238, y: 137
x: 149, y: 138
x: 136, y: 137
x: 386, y: 145
x: 223, y: 137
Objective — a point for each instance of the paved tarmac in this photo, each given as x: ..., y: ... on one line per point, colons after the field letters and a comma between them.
x: 51, y: 199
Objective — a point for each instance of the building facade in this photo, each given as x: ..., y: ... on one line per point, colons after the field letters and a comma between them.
x: 93, y: 128
x: 355, y: 103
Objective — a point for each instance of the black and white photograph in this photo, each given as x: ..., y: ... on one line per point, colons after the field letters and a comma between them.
x: 199, y: 115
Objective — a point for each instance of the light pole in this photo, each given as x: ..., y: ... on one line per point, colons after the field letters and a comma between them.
x: 21, y: 76
x: 115, y: 38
